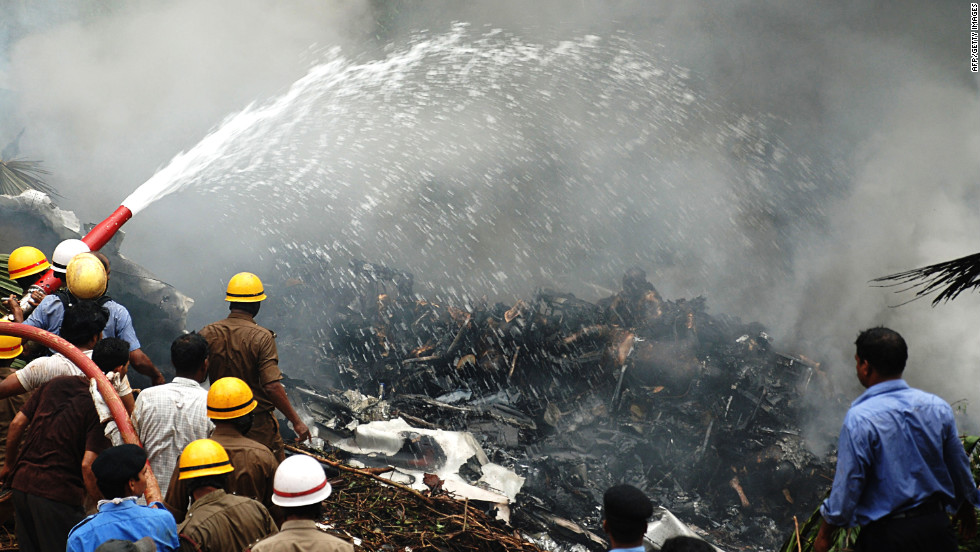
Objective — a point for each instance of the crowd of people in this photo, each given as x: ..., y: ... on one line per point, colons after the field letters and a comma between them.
x: 212, y: 474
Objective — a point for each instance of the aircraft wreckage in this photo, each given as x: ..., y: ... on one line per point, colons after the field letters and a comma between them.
x: 536, y: 407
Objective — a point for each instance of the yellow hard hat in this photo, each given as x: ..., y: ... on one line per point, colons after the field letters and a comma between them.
x: 86, y: 277
x: 230, y: 398
x: 25, y: 261
x: 10, y: 346
x: 245, y: 287
x: 203, y: 457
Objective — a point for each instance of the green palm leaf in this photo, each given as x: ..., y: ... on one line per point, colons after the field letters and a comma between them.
x: 20, y: 175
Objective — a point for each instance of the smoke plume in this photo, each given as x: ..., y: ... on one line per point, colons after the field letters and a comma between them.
x: 774, y: 157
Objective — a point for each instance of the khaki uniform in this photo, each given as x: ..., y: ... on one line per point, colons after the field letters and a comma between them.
x: 255, y: 468
x: 223, y: 522
x: 302, y: 535
x: 242, y: 349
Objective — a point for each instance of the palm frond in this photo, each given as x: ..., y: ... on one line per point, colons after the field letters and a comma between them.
x: 20, y: 175
x: 949, y: 278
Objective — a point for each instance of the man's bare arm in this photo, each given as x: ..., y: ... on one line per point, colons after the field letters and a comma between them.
x: 129, y: 402
x: 825, y: 536
x: 14, y: 435
x: 277, y: 395
x: 11, y: 386
x: 143, y: 365
x: 13, y: 305
x: 89, y: 476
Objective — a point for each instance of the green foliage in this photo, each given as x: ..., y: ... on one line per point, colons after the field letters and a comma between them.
x: 843, y: 540
x: 20, y: 175
x: 7, y: 286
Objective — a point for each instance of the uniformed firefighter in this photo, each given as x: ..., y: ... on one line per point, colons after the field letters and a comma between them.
x: 241, y: 348
x: 301, y: 487
x: 231, y: 406
x: 216, y: 520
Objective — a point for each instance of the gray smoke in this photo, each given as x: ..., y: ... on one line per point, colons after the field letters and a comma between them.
x: 823, y: 147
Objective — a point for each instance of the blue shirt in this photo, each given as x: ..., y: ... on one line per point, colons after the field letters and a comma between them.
x: 126, y: 520
x: 49, y: 314
x: 898, y: 448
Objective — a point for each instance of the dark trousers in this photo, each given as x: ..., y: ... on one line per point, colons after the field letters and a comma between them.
x: 927, y: 533
x: 43, y: 524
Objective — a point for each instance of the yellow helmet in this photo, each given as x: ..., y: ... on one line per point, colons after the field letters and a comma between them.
x: 86, y: 277
x: 245, y: 287
x: 230, y: 398
x: 10, y: 346
x: 203, y: 457
x: 25, y: 261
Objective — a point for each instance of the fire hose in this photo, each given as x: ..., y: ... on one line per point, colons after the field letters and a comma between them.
x: 95, y: 239
x: 108, y: 393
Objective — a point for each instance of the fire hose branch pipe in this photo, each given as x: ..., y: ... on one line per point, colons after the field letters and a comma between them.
x: 103, y: 231
x: 95, y: 239
x: 108, y: 393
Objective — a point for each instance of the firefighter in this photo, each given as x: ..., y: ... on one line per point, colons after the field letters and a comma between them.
x: 231, y: 406
x: 301, y: 487
x: 242, y: 349
x: 217, y: 520
x: 25, y: 266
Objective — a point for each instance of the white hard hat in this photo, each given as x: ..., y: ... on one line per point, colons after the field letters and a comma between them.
x: 64, y: 253
x: 300, y: 480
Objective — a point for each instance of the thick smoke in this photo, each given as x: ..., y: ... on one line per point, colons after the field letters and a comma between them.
x: 819, y: 149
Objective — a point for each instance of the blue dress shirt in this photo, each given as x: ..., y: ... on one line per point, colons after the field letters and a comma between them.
x: 898, y: 448
x: 50, y: 313
x: 126, y: 520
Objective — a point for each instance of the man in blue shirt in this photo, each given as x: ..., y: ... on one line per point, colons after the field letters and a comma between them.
x: 625, y: 512
x: 120, y: 474
x: 900, y: 463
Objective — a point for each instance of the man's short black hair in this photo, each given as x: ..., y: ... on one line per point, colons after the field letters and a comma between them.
x: 219, y: 481
x: 884, y: 349
x: 310, y: 511
x: 110, y: 353
x: 251, y: 307
x: 242, y: 424
x: 188, y: 353
x: 626, y: 511
x: 116, y: 467
x: 686, y: 544
x: 82, y: 321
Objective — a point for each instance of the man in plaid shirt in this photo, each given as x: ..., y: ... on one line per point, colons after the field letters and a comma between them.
x: 168, y: 417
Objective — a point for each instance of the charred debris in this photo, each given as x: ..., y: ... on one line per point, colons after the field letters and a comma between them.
x: 703, y: 412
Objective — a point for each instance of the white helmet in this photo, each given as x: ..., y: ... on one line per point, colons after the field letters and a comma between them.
x: 300, y: 480
x: 64, y: 253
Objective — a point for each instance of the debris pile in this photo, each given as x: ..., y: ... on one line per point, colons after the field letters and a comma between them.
x: 700, y: 411
x: 391, y: 516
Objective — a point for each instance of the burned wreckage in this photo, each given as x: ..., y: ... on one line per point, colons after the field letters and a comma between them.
x: 700, y: 411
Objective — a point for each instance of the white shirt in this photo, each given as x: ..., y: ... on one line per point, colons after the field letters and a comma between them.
x: 42, y: 370
x: 167, y: 418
